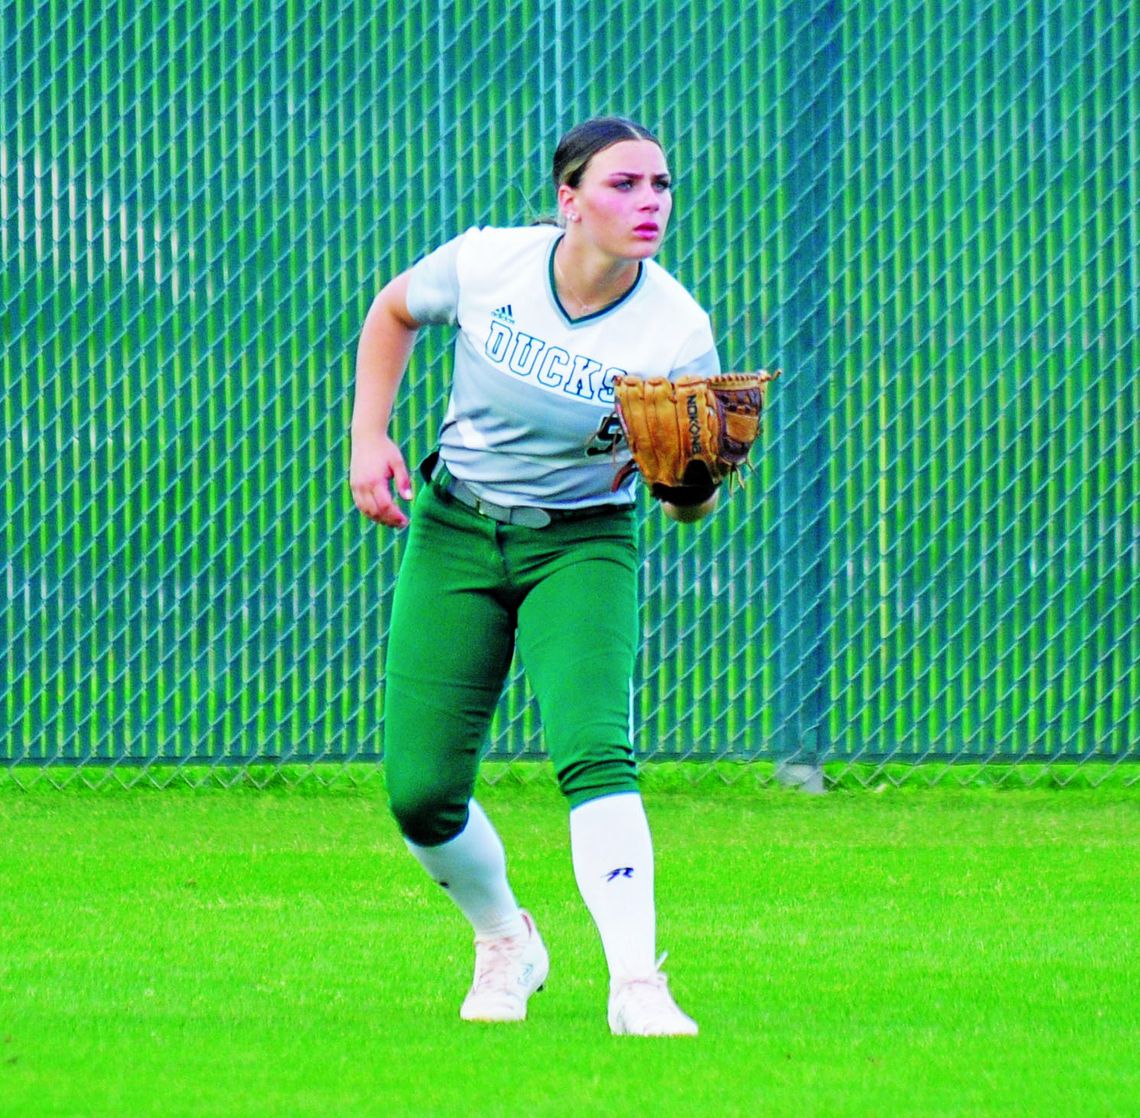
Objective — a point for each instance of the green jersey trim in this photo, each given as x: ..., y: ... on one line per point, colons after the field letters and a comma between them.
x: 593, y: 315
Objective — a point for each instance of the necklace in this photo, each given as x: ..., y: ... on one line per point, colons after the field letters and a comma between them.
x: 583, y: 306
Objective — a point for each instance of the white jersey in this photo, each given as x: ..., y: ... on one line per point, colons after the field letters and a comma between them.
x: 530, y: 420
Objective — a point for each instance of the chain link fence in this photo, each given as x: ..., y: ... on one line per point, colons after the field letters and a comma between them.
x: 926, y: 213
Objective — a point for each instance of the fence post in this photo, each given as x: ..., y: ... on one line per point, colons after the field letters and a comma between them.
x: 812, y: 143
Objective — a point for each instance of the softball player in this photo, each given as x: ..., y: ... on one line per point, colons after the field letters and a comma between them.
x: 517, y: 541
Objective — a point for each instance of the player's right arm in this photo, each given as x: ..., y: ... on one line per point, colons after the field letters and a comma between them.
x: 386, y: 342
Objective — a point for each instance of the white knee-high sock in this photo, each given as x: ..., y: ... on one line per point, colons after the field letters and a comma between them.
x: 472, y: 870
x: 613, y: 864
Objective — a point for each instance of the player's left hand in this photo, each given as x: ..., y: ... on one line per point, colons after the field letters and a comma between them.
x: 686, y: 437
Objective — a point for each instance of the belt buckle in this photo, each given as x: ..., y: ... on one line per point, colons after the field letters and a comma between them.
x: 525, y: 515
x: 490, y: 510
x: 530, y: 517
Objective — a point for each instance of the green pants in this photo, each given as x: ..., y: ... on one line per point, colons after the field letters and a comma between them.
x: 469, y: 589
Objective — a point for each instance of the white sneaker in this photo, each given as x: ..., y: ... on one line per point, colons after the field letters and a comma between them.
x: 644, y: 1007
x: 508, y: 969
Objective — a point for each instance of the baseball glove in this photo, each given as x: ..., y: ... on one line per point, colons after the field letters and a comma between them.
x: 687, y: 436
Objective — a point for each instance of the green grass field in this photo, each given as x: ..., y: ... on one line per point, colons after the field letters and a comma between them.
x: 246, y: 952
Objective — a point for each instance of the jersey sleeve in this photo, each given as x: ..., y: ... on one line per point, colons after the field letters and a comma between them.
x: 433, y: 284
x: 698, y: 356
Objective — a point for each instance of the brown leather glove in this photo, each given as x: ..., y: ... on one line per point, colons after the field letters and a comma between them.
x: 686, y: 436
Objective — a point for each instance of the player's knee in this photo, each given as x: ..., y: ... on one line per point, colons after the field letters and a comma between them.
x: 427, y: 817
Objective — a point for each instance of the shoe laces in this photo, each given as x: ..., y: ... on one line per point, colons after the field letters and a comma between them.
x: 647, y: 998
x: 646, y: 990
x: 494, y: 959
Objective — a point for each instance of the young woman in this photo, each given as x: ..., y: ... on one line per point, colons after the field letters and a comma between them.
x: 517, y: 541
